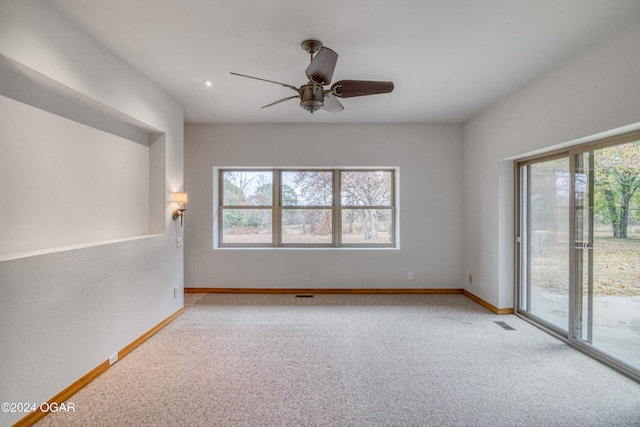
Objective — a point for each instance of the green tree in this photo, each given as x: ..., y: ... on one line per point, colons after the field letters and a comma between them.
x: 289, y: 196
x: 617, y: 180
x: 247, y: 188
x: 262, y: 196
x: 233, y: 195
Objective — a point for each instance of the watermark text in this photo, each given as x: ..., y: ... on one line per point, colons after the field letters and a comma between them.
x: 24, y: 407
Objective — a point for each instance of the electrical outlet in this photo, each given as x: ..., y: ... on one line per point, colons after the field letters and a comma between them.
x: 470, y: 278
x: 178, y: 242
x: 410, y: 277
x: 113, y: 359
x: 176, y: 291
x: 306, y: 276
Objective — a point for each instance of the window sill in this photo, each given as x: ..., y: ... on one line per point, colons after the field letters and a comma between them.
x: 305, y: 248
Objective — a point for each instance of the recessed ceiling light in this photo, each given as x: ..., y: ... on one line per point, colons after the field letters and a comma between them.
x: 208, y: 83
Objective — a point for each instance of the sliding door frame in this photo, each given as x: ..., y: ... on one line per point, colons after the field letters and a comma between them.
x: 521, y: 238
x: 571, y: 337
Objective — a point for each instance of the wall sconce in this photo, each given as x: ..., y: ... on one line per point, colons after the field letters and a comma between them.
x: 182, y: 199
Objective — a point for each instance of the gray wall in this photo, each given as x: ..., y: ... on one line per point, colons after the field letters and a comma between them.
x: 594, y: 92
x: 430, y: 205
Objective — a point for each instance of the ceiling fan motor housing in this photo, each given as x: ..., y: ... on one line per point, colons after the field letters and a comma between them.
x: 312, y: 97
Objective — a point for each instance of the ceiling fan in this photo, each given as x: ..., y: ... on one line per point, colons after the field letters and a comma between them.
x: 313, y: 96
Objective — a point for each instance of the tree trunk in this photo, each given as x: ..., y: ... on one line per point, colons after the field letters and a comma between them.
x: 327, y: 223
x: 372, y: 231
x: 615, y: 219
x: 363, y: 220
x: 624, y: 214
x: 351, y: 217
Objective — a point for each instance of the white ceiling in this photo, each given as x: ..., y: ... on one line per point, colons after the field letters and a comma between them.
x: 449, y: 59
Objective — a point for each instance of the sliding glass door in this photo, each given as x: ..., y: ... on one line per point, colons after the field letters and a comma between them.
x: 607, y: 250
x: 545, y: 244
x: 578, y: 245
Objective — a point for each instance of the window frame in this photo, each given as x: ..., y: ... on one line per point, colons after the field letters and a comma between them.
x: 223, y: 207
x: 341, y: 208
x: 330, y: 207
x: 277, y: 209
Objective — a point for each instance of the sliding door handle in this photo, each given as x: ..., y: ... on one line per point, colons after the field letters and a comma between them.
x: 585, y: 246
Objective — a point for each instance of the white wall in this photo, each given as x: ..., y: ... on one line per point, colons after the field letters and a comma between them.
x: 594, y: 92
x: 430, y: 205
x: 64, y: 313
x: 62, y: 191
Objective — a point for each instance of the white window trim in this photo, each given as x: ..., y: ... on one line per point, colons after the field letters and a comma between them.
x: 337, y: 233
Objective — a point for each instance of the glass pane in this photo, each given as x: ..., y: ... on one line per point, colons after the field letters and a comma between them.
x: 306, y: 226
x: 366, y: 188
x: 246, y: 226
x: 611, y: 262
x: 583, y: 245
x: 247, y: 188
x: 545, y: 241
x: 307, y: 188
x: 367, y: 226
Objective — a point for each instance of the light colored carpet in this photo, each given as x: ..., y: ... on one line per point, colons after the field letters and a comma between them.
x: 352, y: 360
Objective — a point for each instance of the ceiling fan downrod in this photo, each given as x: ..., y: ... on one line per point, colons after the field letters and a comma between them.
x: 311, y: 47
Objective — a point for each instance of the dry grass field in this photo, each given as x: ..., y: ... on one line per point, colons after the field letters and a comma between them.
x: 616, y: 265
x: 294, y: 234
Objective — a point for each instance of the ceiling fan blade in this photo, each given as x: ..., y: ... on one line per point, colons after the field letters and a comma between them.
x: 321, y: 68
x: 265, y: 80
x: 282, y: 100
x: 351, y: 88
x: 332, y: 104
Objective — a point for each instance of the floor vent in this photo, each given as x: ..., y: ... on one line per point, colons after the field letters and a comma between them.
x: 504, y: 325
x: 304, y: 296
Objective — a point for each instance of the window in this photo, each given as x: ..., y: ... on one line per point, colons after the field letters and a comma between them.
x: 367, y: 206
x: 247, y: 213
x: 307, y: 207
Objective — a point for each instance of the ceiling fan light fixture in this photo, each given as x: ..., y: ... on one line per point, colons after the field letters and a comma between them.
x: 312, y: 97
x: 312, y: 106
